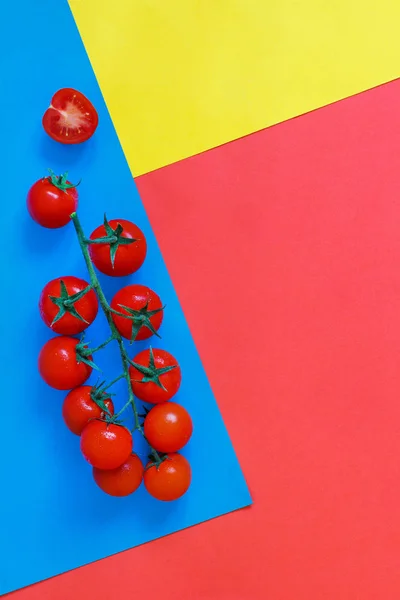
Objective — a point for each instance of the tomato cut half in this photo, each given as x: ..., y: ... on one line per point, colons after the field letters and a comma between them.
x: 71, y: 118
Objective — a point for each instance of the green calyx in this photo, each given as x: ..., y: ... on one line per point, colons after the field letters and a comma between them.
x: 114, y: 239
x: 65, y: 303
x: 155, y: 459
x: 83, y: 353
x: 140, y: 318
x: 60, y: 181
x: 99, y: 397
x: 152, y: 373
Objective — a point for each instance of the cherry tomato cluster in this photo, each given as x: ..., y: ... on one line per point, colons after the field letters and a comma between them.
x: 68, y: 305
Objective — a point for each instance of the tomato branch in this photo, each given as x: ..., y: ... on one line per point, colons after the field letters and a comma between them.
x: 122, y: 376
x: 103, y: 345
x: 115, y: 335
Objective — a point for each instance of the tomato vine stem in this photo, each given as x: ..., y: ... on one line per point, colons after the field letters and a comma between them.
x: 115, y: 335
x: 122, y: 376
x: 101, y: 346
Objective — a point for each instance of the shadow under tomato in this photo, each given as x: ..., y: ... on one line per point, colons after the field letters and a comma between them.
x: 39, y: 240
x: 53, y: 153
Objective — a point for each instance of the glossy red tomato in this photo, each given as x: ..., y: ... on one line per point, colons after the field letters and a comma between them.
x: 59, y: 363
x: 71, y: 118
x: 80, y: 407
x: 118, y: 258
x: 170, y: 480
x: 168, y: 427
x: 123, y: 480
x: 65, y: 307
x: 106, y: 445
x: 52, y: 200
x: 143, y: 305
x: 156, y: 376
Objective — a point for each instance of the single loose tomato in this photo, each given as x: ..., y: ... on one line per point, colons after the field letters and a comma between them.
x: 61, y: 365
x: 169, y: 480
x: 168, y: 427
x: 143, y: 306
x: 83, y: 404
x: 52, y: 200
x: 119, y: 247
x: 123, y: 480
x: 71, y: 118
x: 68, y: 305
x: 155, y: 375
x: 106, y: 445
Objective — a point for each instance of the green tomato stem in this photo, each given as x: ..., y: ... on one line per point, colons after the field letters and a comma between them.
x: 115, y: 335
x: 101, y: 346
x: 122, y: 376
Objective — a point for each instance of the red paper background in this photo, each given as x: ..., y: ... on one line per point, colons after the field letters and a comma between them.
x: 284, y: 248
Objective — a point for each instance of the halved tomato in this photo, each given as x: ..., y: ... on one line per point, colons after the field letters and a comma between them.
x: 71, y: 118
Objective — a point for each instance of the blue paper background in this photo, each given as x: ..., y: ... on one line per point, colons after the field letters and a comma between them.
x: 53, y: 517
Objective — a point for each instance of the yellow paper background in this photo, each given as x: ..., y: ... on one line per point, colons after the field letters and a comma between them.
x: 183, y: 76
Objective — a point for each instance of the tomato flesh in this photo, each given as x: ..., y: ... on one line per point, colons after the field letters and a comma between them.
x: 71, y: 118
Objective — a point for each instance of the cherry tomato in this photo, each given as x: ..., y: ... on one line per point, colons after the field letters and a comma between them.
x: 71, y: 118
x: 60, y: 366
x: 128, y: 257
x: 144, y: 305
x: 156, y: 376
x: 52, y: 200
x: 106, y: 445
x: 168, y: 427
x: 169, y: 480
x: 65, y: 307
x: 123, y: 480
x: 80, y: 407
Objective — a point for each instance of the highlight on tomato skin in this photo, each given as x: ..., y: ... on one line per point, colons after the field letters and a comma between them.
x: 70, y: 118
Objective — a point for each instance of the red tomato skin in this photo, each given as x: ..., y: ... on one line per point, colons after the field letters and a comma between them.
x: 136, y: 296
x: 87, y: 306
x: 170, y: 480
x: 79, y: 408
x: 123, y: 480
x: 128, y: 259
x: 49, y: 206
x: 168, y: 427
x: 71, y: 118
x: 149, y: 391
x: 106, y: 446
x: 58, y: 364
